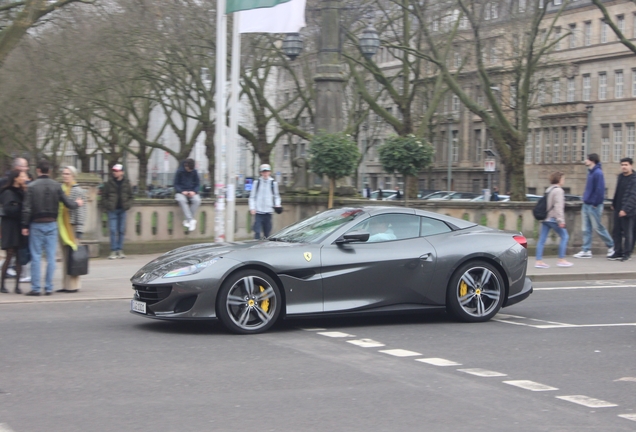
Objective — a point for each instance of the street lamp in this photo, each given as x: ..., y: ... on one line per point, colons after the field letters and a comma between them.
x: 292, y: 45
x: 369, y: 42
x: 589, y: 109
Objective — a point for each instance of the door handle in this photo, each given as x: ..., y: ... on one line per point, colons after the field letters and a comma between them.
x: 425, y: 256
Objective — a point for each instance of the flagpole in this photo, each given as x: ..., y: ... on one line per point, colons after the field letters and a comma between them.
x: 233, y: 135
x: 219, y: 139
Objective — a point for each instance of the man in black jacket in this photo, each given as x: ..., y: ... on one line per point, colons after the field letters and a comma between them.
x: 624, y: 206
x: 39, y: 222
x: 186, y: 188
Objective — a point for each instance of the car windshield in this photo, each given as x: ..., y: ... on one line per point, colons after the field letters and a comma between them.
x: 317, y: 227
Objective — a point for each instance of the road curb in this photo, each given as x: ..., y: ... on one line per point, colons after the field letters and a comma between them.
x: 564, y: 277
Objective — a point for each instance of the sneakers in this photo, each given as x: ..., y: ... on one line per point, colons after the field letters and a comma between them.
x: 541, y: 265
x: 564, y: 264
x: 25, y: 279
x: 626, y: 258
x: 584, y: 254
x: 113, y: 255
x: 11, y: 272
x: 615, y: 257
x: 610, y: 251
x: 186, y: 224
x: 193, y: 225
x: 120, y: 254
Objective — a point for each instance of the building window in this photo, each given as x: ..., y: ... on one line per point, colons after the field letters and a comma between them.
x: 487, y: 12
x: 556, y: 156
x: 547, y: 154
x: 541, y: 96
x: 286, y: 152
x: 583, y: 143
x: 618, y: 142
x: 587, y: 33
x: 605, y: 143
x: 602, y: 86
x: 574, y: 137
x: 618, y: 84
x: 572, y: 37
x: 565, y: 156
x: 604, y: 27
x: 634, y: 81
x: 478, y: 147
x: 455, y: 103
x: 557, y: 38
x: 556, y: 91
x: 537, y: 146
x: 631, y: 140
x: 494, y: 10
x: 522, y: 6
x: 455, y: 148
x: 587, y: 87
x: 558, y: 2
x: 620, y: 23
x: 493, y: 53
x: 571, y: 89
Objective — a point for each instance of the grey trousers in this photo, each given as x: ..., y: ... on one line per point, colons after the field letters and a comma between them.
x: 189, y: 206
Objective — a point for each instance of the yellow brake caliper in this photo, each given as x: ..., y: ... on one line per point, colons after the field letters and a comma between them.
x: 264, y: 303
x: 463, y: 289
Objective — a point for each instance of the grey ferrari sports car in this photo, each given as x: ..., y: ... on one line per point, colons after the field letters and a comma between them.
x: 340, y: 261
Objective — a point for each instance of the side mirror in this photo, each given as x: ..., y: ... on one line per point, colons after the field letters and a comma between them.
x: 353, y: 236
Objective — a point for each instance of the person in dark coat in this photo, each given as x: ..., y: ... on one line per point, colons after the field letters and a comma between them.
x: 624, y: 206
x: 12, y: 197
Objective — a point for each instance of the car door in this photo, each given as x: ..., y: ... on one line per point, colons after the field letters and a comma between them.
x: 394, y: 269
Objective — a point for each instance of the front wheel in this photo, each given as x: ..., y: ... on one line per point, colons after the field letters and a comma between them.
x: 249, y: 302
x: 475, y: 292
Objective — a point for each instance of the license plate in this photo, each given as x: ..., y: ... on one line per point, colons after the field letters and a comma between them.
x: 137, y: 306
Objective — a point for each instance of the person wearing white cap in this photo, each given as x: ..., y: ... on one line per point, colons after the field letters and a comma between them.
x: 264, y: 199
x: 117, y: 198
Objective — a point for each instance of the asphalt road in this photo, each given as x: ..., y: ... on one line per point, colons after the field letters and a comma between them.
x: 563, y: 360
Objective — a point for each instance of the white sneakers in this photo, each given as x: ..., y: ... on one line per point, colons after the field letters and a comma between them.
x: 588, y: 254
x: 583, y: 254
x: 192, y: 225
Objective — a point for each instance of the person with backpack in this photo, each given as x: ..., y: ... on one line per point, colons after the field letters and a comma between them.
x: 263, y: 201
x: 554, y: 220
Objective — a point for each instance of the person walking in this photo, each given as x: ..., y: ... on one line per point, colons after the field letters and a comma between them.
x: 624, y: 206
x: 186, y: 187
x: 12, y: 198
x: 70, y: 224
x: 555, y: 221
x: 117, y: 198
x: 592, y: 209
x: 263, y: 200
x: 39, y: 222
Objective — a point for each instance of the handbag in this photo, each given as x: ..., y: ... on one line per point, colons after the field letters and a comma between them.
x: 278, y: 209
x: 77, y: 262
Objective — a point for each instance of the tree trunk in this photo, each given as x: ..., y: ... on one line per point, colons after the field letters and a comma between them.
x: 143, y: 170
x: 209, y: 130
x: 516, y: 171
x: 332, y: 187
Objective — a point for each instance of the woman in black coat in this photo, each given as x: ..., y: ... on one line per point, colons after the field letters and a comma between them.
x: 11, y: 197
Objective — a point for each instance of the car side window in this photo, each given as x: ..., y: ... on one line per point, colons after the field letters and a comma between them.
x: 389, y: 227
x: 431, y: 226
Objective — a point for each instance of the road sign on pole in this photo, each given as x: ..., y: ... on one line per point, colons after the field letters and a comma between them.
x: 489, y: 165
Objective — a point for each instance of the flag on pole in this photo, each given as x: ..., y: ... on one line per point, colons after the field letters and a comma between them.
x: 241, y: 5
x: 288, y: 17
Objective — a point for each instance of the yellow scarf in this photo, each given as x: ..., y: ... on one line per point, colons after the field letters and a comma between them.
x: 67, y: 234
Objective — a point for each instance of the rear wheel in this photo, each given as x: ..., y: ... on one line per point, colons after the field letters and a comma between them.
x: 475, y: 292
x: 249, y: 302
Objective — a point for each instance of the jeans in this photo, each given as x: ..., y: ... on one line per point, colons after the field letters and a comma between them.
x: 623, y: 234
x: 189, y: 206
x: 546, y: 226
x: 592, y: 220
x: 117, y: 228
x: 42, y: 237
x: 262, y: 222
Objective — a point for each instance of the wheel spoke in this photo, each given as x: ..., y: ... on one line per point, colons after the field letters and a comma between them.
x: 249, y: 285
x: 466, y: 299
x: 234, y: 300
x: 244, y: 318
x: 265, y: 295
x: 469, y: 280
x: 262, y: 314
x: 491, y: 294
x: 480, y: 306
x: 485, y: 277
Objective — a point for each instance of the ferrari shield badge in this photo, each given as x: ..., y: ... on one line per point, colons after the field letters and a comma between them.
x: 307, y: 256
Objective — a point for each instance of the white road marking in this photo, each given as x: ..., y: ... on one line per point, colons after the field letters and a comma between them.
x: 631, y: 417
x: 583, y: 287
x: 5, y: 428
x: 626, y: 379
x: 366, y: 343
x: 313, y: 329
x: 530, y: 385
x: 482, y: 372
x: 336, y: 334
x: 400, y: 353
x: 587, y: 401
x: 509, y: 319
x: 438, y: 361
x: 583, y: 325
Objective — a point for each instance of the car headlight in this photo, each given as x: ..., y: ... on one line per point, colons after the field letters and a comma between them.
x: 190, y: 270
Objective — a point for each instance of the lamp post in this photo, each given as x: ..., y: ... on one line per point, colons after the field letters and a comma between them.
x: 589, y: 109
x: 449, y: 174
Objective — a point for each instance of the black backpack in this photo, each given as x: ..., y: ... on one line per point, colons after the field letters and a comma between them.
x: 540, y: 210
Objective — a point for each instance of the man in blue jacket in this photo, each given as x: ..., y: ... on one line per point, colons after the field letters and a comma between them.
x: 186, y: 187
x: 592, y: 209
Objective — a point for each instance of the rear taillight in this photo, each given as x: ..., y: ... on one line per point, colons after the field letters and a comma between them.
x: 521, y: 240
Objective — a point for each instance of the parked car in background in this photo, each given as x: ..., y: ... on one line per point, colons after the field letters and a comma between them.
x: 502, y: 198
x: 573, y: 198
x: 385, y: 193
x: 450, y: 196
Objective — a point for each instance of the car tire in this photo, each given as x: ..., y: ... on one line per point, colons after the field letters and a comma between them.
x: 475, y: 292
x: 249, y: 302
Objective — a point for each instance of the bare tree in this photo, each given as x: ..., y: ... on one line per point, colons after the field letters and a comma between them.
x: 620, y: 34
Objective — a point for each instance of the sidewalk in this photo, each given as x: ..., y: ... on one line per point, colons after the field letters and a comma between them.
x: 110, y: 279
